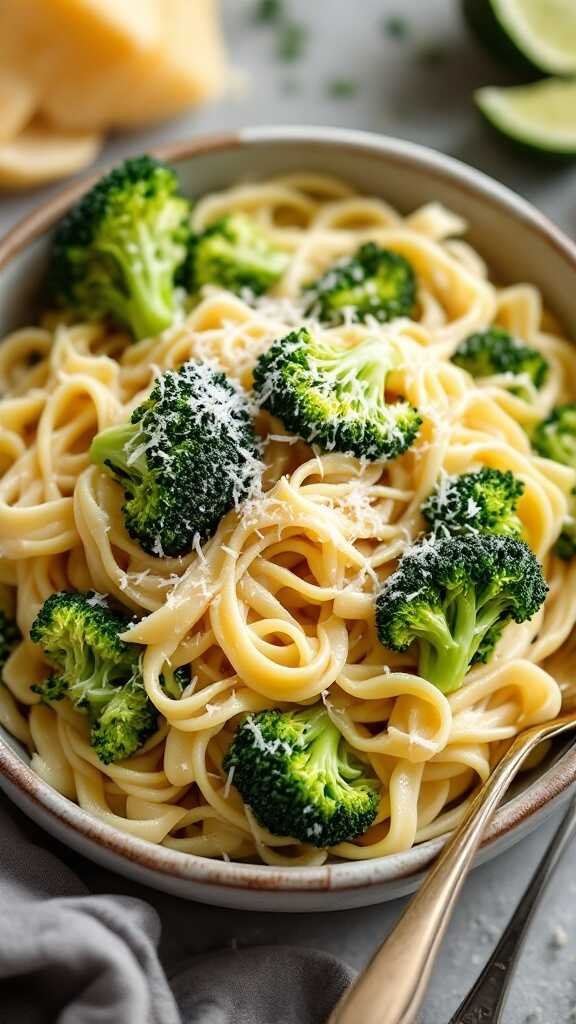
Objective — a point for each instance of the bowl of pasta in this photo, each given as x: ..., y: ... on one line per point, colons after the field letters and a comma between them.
x: 287, y: 455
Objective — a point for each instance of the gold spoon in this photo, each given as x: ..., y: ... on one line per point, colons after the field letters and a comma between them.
x: 392, y: 987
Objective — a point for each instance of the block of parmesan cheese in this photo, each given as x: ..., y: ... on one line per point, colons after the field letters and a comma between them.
x: 17, y: 103
x: 56, y: 38
x: 40, y: 154
x: 191, y: 61
x: 183, y: 64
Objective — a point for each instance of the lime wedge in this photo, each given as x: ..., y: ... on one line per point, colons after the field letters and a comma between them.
x: 541, y: 115
x: 530, y: 34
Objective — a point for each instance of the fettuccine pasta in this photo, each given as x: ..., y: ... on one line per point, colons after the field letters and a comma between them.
x: 277, y: 609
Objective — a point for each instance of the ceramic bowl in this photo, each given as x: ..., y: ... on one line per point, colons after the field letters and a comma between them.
x: 519, y: 244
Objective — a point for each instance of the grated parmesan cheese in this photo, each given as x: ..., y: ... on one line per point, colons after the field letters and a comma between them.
x: 229, y: 778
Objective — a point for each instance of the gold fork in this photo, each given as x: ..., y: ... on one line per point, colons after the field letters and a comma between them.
x: 391, y: 989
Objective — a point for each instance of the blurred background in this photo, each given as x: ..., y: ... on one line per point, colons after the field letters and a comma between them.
x: 79, y: 80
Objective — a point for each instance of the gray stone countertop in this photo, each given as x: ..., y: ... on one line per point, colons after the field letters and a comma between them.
x: 418, y: 88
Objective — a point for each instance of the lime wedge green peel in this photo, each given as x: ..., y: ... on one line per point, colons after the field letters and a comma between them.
x: 541, y: 116
x: 531, y: 34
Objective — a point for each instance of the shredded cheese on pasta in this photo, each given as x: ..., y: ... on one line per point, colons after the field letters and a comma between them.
x: 278, y: 607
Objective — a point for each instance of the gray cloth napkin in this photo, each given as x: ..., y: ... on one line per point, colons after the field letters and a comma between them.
x: 72, y: 958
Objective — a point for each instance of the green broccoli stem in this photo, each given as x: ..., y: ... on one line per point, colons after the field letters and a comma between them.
x: 358, y: 374
x: 114, y: 448
x: 511, y: 526
x: 93, y: 684
x: 95, y: 691
x: 147, y: 307
x: 96, y: 679
x: 489, y: 611
x: 448, y: 642
x: 323, y: 741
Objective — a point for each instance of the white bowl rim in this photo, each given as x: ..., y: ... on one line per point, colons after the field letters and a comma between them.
x: 16, y: 775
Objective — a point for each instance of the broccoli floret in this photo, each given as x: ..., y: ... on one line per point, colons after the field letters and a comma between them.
x: 374, y: 282
x: 334, y: 396
x: 187, y: 455
x: 496, y: 352
x: 124, y: 724
x: 235, y: 253
x: 96, y: 670
x: 484, y: 502
x: 555, y: 438
x: 80, y: 638
x: 117, y: 252
x: 53, y: 688
x: 453, y: 597
x: 300, y: 778
x: 9, y: 637
x: 565, y: 546
x: 99, y: 672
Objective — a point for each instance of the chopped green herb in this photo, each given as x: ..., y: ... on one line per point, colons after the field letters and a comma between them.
x: 342, y: 88
x: 431, y: 56
x: 269, y: 10
x: 396, y: 27
x: 291, y: 41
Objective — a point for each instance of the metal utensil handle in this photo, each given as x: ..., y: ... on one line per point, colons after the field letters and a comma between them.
x: 486, y: 998
x: 391, y: 989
